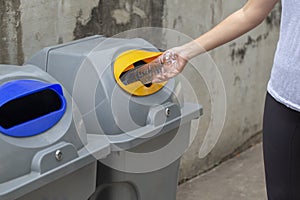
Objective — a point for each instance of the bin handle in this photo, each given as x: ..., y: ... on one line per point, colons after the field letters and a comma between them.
x: 135, y: 137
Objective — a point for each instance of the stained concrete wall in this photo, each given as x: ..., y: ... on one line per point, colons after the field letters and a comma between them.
x: 28, y: 26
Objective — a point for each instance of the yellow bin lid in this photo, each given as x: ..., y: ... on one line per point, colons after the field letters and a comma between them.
x: 125, y: 61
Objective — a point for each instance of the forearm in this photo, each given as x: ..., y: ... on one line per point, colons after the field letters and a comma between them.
x: 229, y: 29
x: 243, y: 20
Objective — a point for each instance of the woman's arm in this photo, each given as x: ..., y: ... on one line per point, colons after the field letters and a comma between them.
x: 238, y: 23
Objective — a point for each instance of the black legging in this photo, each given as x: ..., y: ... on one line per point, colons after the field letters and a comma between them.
x: 281, y: 145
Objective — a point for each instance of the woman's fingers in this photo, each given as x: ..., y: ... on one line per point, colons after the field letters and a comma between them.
x: 172, y: 65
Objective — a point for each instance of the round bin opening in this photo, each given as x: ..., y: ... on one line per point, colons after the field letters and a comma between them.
x: 132, y: 59
x: 136, y: 65
x: 29, y: 107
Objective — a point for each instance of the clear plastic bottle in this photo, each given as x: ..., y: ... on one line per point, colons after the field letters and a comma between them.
x: 146, y: 73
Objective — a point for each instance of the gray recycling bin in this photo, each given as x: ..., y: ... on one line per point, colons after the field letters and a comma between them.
x: 148, y: 126
x: 46, y: 152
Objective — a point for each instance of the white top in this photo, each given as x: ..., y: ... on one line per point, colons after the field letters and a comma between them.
x: 284, y: 84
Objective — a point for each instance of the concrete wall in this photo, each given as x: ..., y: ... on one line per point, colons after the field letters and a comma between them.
x: 28, y: 26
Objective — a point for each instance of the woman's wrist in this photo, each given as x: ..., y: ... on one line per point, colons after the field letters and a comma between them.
x: 190, y: 50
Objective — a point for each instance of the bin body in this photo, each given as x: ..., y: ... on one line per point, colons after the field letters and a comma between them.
x: 159, y: 183
x: 79, y: 184
x: 148, y: 133
x: 45, y: 150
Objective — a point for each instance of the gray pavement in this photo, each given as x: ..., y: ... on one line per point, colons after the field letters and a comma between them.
x: 240, y: 178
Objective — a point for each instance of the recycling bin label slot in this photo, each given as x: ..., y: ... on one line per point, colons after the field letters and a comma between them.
x: 29, y: 107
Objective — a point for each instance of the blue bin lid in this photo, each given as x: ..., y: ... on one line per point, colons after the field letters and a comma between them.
x: 30, y: 107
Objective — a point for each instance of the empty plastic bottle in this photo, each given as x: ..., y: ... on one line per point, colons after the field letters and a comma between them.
x: 147, y: 72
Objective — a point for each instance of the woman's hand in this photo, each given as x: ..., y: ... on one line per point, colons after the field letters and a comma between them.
x: 173, y: 62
